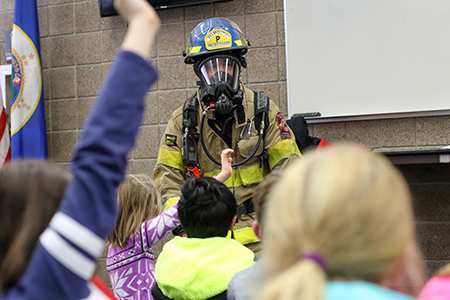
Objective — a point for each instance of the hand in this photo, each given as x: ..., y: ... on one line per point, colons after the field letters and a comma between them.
x: 143, y: 24
x: 132, y: 9
x: 226, y: 161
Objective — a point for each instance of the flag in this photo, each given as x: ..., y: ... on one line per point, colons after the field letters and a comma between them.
x: 5, y: 149
x: 28, y: 132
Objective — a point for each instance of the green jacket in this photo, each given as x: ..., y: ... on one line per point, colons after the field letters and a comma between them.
x: 198, y: 269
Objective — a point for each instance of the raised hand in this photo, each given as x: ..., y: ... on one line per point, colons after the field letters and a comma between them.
x: 226, y: 162
x: 143, y: 25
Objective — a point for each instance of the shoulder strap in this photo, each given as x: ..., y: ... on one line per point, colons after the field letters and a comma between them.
x: 190, y: 112
x: 190, y: 136
x: 261, y: 105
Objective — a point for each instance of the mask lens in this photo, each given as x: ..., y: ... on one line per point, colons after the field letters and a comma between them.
x: 220, y: 70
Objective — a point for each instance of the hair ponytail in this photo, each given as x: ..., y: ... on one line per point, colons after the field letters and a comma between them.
x: 350, y: 204
x: 304, y: 280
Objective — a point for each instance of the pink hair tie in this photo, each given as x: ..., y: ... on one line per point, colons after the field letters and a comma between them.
x: 317, y: 258
x: 214, y: 177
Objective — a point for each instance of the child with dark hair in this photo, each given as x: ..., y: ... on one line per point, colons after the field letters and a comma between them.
x: 207, y: 208
x: 200, y: 266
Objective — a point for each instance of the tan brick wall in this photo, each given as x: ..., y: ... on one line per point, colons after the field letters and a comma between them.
x: 77, y: 49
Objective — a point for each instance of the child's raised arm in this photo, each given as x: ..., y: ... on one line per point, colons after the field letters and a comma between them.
x: 65, y: 257
x: 226, y: 161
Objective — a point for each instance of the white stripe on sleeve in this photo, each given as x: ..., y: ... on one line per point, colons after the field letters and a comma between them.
x: 78, y: 234
x: 67, y: 255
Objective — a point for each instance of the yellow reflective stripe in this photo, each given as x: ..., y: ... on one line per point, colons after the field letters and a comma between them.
x: 253, y: 174
x: 249, y: 175
x: 171, y: 158
x: 195, y: 49
x: 238, y: 42
x: 245, y: 235
x: 171, y: 201
x: 282, y: 150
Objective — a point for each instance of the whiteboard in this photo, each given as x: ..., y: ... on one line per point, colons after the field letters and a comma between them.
x: 368, y: 57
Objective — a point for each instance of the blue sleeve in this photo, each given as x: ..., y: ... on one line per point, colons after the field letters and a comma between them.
x: 110, y: 132
x: 65, y: 255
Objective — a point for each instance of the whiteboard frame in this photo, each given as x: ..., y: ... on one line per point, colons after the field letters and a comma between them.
x: 432, y: 113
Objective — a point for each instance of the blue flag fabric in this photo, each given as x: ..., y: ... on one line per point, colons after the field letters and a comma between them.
x: 28, y: 132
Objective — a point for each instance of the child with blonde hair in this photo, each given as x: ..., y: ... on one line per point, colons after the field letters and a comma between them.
x: 140, y: 224
x: 346, y: 230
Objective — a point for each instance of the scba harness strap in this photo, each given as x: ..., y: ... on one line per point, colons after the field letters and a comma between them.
x: 190, y: 112
x: 261, y: 104
x: 190, y: 137
x: 245, y: 208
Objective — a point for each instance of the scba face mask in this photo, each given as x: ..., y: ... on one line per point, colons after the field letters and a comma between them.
x: 220, y: 78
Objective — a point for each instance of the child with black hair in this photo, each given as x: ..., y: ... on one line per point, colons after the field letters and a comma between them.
x: 201, y: 266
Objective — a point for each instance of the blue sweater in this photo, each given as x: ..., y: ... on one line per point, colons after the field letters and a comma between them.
x: 65, y: 257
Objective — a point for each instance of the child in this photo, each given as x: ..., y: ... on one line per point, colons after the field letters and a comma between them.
x: 246, y: 283
x: 438, y: 287
x: 130, y: 261
x: 200, y: 267
x: 346, y: 230
x: 65, y: 249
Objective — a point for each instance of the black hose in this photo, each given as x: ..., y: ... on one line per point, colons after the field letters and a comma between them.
x: 261, y: 132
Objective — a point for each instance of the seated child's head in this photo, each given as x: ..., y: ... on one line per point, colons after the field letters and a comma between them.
x: 139, y: 201
x: 30, y: 194
x: 207, y: 208
x: 260, y: 197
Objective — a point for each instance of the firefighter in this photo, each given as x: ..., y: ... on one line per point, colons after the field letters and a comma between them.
x: 223, y: 114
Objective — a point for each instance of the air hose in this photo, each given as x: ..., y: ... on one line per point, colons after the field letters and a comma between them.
x: 261, y: 133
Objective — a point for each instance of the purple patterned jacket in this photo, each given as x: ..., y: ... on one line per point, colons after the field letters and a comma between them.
x: 132, y: 267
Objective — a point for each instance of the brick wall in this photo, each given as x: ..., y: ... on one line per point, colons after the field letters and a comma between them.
x: 77, y: 49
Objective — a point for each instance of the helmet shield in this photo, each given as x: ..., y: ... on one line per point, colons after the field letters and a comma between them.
x: 215, y: 35
x: 220, y: 70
